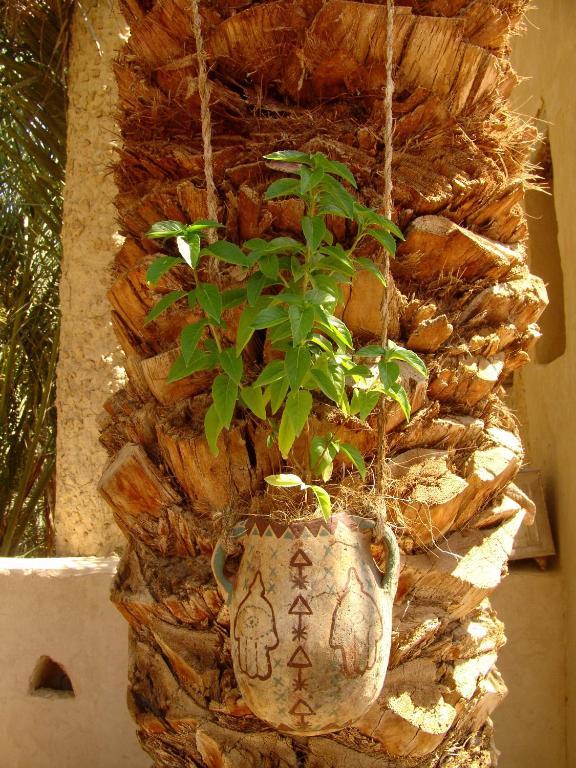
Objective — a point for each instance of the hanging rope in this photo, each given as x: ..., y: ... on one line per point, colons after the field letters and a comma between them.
x: 204, y: 92
x: 381, y: 473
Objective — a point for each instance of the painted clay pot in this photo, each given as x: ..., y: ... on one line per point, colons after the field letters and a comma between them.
x: 310, y: 620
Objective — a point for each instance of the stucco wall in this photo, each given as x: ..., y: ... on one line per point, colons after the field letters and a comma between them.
x: 530, y: 725
x: 547, y: 56
x: 89, y: 367
x: 60, y: 608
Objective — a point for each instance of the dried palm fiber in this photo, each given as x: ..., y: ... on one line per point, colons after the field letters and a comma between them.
x: 311, y: 76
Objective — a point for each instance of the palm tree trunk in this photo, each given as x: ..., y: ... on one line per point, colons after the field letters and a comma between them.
x: 310, y: 75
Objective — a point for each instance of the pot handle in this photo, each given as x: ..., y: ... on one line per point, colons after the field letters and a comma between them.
x: 219, y: 560
x: 390, y: 576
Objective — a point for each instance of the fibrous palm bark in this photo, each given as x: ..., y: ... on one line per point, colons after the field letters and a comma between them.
x: 309, y: 75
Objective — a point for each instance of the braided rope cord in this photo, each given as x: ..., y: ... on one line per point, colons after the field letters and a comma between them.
x: 204, y: 92
x: 381, y: 473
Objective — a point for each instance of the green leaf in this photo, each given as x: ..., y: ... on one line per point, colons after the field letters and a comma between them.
x: 163, y: 304
x: 314, y: 230
x: 233, y: 297
x: 282, y: 188
x: 184, y: 250
x: 189, y: 249
x: 364, y: 402
x: 394, y: 352
x: 363, y: 371
x: 323, y: 499
x: 301, y: 322
x: 381, y: 222
x: 278, y: 390
x: 255, y: 286
x: 384, y: 238
x: 398, y: 393
x: 232, y: 364
x: 352, y: 453
x: 269, y: 317
x: 369, y: 266
x: 368, y: 216
x: 335, y: 199
x: 201, y: 224
x: 320, y: 341
x: 309, y: 179
x: 393, y: 228
x: 285, y: 480
x: 371, y: 350
x: 159, y: 267
x: 296, y: 411
x: 329, y: 285
x: 276, y: 245
x: 269, y: 265
x: 189, y: 338
x: 224, y: 395
x: 212, y: 428
x: 289, y: 156
x: 334, y: 167
x: 253, y: 398
x: 323, y: 451
x: 389, y: 373
x: 334, y: 328
x: 166, y: 229
x: 297, y: 364
x: 210, y: 300
x: 245, y: 330
x: 338, y: 376
x: 297, y: 268
x: 280, y: 336
x: 325, y: 384
x: 271, y: 373
x: 229, y: 253
x: 336, y: 258
x: 199, y: 361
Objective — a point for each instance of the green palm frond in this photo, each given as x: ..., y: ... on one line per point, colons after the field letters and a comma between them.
x: 33, y: 44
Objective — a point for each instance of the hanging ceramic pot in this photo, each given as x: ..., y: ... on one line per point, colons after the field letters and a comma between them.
x: 310, y: 620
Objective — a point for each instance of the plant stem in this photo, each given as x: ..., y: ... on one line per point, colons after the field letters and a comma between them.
x: 308, y: 472
x: 214, y: 334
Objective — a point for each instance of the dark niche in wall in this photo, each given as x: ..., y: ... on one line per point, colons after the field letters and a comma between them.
x: 50, y: 680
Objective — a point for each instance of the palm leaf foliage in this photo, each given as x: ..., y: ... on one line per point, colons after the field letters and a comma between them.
x: 33, y: 42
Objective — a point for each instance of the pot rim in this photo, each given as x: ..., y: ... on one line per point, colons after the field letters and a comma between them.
x: 314, y: 524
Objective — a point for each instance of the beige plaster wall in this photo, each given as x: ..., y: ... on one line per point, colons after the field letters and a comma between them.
x: 90, y: 366
x: 530, y: 725
x: 60, y: 608
x: 546, y: 392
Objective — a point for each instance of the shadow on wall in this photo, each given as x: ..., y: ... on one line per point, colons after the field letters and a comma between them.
x: 544, y: 251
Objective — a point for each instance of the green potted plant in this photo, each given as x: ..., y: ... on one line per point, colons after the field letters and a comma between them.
x: 291, y: 295
x: 289, y: 300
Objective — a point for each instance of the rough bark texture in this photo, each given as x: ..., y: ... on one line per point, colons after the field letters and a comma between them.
x: 310, y: 75
x: 90, y: 359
